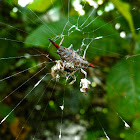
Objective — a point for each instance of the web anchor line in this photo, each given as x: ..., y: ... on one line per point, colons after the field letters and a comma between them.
x: 24, y: 97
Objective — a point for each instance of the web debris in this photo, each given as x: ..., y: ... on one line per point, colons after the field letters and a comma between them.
x: 84, y: 84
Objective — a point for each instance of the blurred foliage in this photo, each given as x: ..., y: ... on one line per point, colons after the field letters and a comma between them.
x: 124, y: 9
x: 114, y: 96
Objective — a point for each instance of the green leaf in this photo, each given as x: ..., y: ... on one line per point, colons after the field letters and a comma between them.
x: 137, y: 47
x: 106, y: 45
x: 136, y: 124
x: 92, y: 135
x: 41, y: 5
x: 137, y: 134
x: 123, y: 86
x: 124, y: 9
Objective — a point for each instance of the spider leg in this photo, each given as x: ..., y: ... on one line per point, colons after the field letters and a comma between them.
x: 61, y: 41
x: 70, y: 47
x: 58, y: 67
x: 84, y: 72
x: 74, y: 79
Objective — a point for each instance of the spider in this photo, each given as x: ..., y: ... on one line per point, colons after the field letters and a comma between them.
x: 70, y: 62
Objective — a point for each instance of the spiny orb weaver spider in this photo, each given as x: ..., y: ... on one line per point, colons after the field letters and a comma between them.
x: 70, y: 62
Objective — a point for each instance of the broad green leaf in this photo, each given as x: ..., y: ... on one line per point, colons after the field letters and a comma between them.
x: 93, y: 134
x: 123, y: 86
x: 41, y: 5
x: 136, y: 124
x: 111, y: 43
x: 137, y: 47
x: 124, y: 9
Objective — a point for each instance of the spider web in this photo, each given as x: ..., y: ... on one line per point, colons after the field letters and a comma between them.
x: 38, y: 92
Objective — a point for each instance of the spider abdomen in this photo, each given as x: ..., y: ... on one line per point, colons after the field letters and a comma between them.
x: 71, y: 56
